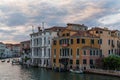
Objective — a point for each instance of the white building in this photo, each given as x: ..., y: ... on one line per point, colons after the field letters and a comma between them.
x: 2, y: 49
x: 41, y: 46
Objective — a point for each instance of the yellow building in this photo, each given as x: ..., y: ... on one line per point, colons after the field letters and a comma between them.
x: 110, y: 40
x: 75, y: 50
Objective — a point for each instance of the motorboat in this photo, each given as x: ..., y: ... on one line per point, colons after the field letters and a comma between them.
x: 76, y: 71
x: 3, y: 60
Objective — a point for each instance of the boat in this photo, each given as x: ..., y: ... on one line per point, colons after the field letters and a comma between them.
x: 8, y: 61
x: 76, y: 71
x: 2, y: 60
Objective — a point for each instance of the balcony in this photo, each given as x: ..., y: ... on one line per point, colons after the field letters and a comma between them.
x: 65, y: 45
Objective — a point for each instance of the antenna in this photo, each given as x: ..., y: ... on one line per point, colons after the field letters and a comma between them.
x: 42, y: 26
x: 32, y: 28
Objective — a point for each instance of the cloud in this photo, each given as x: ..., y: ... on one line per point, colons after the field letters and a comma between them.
x: 17, y: 16
x: 110, y: 19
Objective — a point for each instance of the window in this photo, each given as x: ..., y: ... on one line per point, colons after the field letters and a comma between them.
x: 71, y: 61
x: 78, y: 40
x: 108, y: 52
x: 96, y: 32
x: 63, y: 35
x: 92, y: 41
x: 83, y: 41
x: 54, y: 52
x: 84, y: 61
x: 77, y: 52
x: 100, y: 41
x: 100, y: 52
x: 60, y: 42
x: 71, y: 52
x: 94, y: 52
x: 91, y: 61
x: 84, y: 52
x: 71, y: 41
x: 54, y: 60
x: 68, y: 34
x: 108, y: 42
x: 54, y: 42
x: 97, y: 52
x: 90, y: 52
x: 101, y: 32
x: 77, y: 61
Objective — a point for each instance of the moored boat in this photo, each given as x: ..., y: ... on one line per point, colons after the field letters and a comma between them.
x: 76, y: 71
x: 2, y: 60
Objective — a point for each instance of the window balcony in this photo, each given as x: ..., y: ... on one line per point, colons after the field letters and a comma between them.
x: 65, y: 45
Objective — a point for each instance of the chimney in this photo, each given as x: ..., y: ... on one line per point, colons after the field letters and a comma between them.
x: 39, y: 28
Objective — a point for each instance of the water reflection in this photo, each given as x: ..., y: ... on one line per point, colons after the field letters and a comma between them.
x: 17, y: 72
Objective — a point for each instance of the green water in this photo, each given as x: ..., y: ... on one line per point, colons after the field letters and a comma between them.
x: 17, y: 72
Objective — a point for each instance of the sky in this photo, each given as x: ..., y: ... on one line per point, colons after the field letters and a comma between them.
x: 18, y: 16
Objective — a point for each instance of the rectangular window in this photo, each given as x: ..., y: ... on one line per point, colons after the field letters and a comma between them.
x: 92, y: 41
x: 78, y: 40
x: 71, y: 52
x: 60, y: 42
x: 54, y: 52
x: 108, y: 52
x: 91, y: 61
x: 77, y: 52
x: 68, y: 34
x: 84, y: 61
x: 77, y: 61
x: 100, y: 41
x: 108, y: 42
x: 71, y: 61
x: 71, y: 41
x: 84, y: 52
x: 90, y: 52
x: 54, y: 60
x: 54, y: 42
x: 83, y: 41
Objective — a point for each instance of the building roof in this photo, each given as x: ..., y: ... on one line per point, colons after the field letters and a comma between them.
x: 84, y: 34
x: 1, y: 43
x: 55, y: 28
x: 28, y: 41
x: 72, y: 24
x: 98, y: 28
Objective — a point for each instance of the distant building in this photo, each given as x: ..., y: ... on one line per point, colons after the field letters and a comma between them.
x: 2, y: 49
x: 14, y: 48
x: 72, y: 26
x: 25, y: 47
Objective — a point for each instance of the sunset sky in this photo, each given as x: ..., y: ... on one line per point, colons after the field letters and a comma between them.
x: 17, y: 16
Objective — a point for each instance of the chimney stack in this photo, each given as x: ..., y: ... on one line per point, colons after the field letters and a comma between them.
x: 39, y: 29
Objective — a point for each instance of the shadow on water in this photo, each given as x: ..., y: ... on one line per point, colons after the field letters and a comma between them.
x: 17, y: 72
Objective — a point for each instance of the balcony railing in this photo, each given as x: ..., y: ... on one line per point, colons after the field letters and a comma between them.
x: 65, y: 45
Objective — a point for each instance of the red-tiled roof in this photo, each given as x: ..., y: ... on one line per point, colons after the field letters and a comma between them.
x: 55, y: 28
x: 98, y: 28
x: 84, y: 34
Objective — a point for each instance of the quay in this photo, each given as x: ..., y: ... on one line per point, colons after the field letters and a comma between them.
x: 103, y: 72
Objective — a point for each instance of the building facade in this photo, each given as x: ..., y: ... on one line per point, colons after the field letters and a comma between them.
x: 41, y: 46
x: 2, y: 49
x: 109, y: 40
x: 75, y: 50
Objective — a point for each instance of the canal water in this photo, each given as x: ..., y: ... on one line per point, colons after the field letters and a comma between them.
x: 17, y: 72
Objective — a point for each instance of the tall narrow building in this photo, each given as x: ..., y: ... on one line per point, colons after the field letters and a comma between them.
x: 41, y: 46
